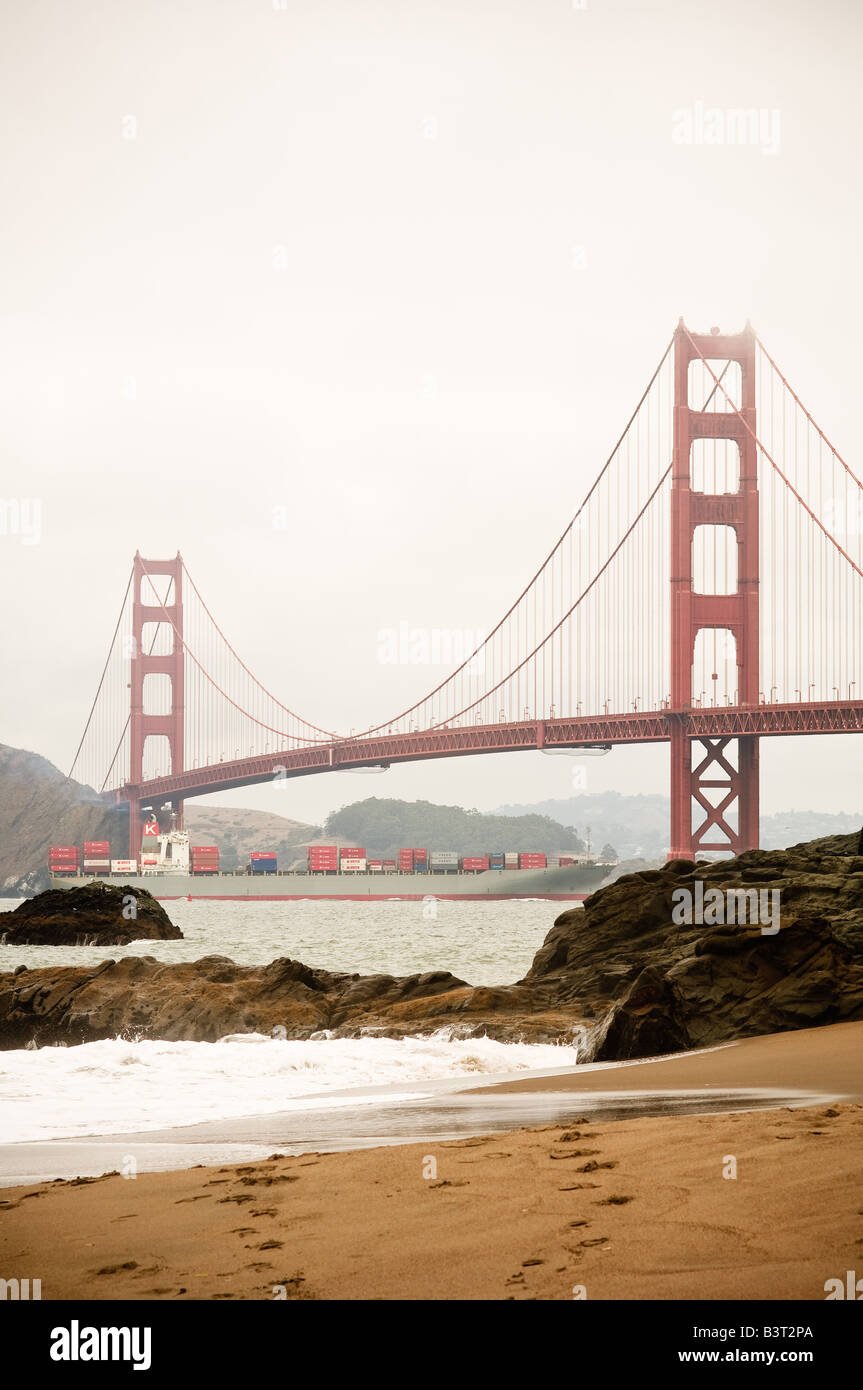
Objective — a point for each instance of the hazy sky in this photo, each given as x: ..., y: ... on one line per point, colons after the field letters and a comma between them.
x: 403, y: 269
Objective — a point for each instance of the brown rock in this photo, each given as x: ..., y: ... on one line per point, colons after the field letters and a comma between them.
x: 95, y: 914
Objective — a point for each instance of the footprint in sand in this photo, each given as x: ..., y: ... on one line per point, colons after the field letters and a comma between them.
x: 592, y: 1166
x: 598, y: 1240
x: 201, y: 1197
x: 115, y: 1269
x: 614, y: 1201
x: 577, y: 1186
x: 576, y: 1153
x: 267, y: 1181
x: 267, y: 1211
x: 271, y: 1245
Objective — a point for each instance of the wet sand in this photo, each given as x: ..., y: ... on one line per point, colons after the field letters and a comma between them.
x: 756, y: 1205
x: 826, y: 1060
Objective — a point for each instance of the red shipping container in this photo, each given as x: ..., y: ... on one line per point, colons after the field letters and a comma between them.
x: 97, y: 844
x: 475, y: 862
x: 352, y: 852
x: 262, y: 854
x: 65, y: 850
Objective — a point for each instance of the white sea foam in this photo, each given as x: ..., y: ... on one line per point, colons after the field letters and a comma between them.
x: 119, y: 1087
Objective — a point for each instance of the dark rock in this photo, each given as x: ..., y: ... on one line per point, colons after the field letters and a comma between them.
x: 96, y: 914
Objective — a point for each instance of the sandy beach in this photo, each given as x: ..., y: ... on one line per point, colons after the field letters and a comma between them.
x: 755, y: 1205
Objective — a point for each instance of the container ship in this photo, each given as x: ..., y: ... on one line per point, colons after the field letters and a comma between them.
x: 170, y: 867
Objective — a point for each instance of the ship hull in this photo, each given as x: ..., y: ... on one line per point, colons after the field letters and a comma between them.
x: 569, y: 884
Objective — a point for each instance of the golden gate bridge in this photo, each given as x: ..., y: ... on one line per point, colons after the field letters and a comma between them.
x: 707, y: 593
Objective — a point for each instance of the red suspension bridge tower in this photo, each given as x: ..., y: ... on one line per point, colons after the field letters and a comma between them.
x: 147, y: 608
x: 734, y: 787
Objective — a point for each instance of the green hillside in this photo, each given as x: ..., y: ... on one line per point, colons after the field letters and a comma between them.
x: 382, y: 826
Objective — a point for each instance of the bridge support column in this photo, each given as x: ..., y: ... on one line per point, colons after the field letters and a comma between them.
x: 719, y: 786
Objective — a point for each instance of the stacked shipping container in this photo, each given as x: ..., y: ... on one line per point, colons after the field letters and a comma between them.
x: 263, y: 862
x: 63, y: 859
x: 443, y: 861
x: 474, y: 863
x: 205, y: 859
x: 323, y: 859
x: 97, y: 857
x: 124, y: 866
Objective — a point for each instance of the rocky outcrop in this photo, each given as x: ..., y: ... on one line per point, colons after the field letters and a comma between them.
x: 205, y: 1000
x: 96, y: 914
x: 622, y: 969
x: 655, y: 984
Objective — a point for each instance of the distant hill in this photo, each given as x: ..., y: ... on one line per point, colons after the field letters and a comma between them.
x: 238, y: 832
x: 382, y: 826
x: 637, y: 826
x: 40, y: 807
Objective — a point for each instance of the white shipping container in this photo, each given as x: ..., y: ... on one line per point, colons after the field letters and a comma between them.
x: 443, y: 856
x: 124, y: 866
x: 353, y: 866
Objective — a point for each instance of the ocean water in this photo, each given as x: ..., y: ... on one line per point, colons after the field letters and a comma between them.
x: 481, y: 943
